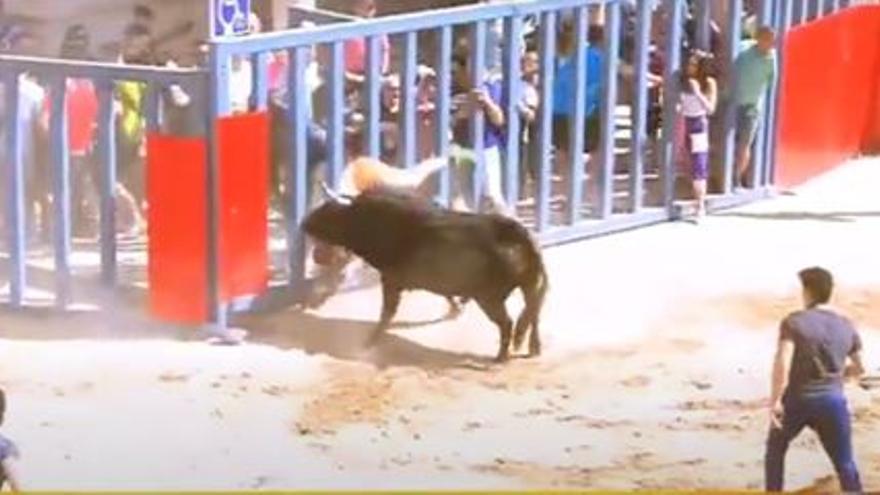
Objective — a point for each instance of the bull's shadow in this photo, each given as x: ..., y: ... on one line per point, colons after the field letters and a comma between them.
x: 347, y: 339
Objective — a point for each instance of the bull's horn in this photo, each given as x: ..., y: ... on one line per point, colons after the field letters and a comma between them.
x: 328, y: 192
x: 344, y: 199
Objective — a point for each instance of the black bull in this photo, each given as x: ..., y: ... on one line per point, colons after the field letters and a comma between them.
x: 417, y: 246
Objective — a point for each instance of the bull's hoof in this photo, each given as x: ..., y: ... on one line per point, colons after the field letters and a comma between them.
x: 375, y: 339
x: 502, y: 358
x: 534, y: 351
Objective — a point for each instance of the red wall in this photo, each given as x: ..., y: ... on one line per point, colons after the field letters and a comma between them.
x: 829, y: 106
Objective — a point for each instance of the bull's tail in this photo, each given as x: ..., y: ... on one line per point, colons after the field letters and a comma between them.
x: 533, y: 283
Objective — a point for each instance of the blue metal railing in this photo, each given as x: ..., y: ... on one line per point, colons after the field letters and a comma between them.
x: 56, y: 73
x: 587, y: 211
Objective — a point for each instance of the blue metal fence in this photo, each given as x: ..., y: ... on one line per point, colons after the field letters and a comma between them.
x: 55, y: 74
x: 582, y: 202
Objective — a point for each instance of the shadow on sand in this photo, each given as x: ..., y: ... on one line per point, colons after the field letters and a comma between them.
x: 832, y: 216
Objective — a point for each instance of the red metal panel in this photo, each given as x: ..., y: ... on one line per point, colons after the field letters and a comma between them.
x: 243, y: 142
x: 177, y: 228
x: 177, y: 195
x: 828, y: 93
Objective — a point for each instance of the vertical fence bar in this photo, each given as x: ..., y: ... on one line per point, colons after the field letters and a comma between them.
x: 444, y: 85
x: 704, y: 24
x: 576, y: 125
x: 60, y: 190
x: 408, y: 131
x: 336, y: 113
x: 153, y: 97
x: 545, y: 124
x: 835, y: 6
x: 758, y: 155
x: 260, y: 63
x: 730, y: 109
x: 783, y: 21
x: 640, y: 110
x: 218, y: 91
x: 671, y: 91
x: 769, y: 18
x: 805, y: 12
x: 107, y: 165
x: 15, y: 192
x: 512, y: 64
x: 478, y: 122
x: 297, y: 176
x: 373, y: 97
x: 609, y: 106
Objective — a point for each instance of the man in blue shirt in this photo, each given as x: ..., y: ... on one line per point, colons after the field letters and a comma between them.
x: 755, y: 69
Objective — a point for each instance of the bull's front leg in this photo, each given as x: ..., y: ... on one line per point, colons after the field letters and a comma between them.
x: 390, y: 301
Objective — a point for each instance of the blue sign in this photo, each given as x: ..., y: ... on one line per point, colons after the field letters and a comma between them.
x: 230, y: 17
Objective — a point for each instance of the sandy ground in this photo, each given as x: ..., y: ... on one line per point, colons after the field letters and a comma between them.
x: 658, y: 346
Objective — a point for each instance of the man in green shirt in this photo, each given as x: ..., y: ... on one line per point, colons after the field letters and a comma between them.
x: 754, y: 69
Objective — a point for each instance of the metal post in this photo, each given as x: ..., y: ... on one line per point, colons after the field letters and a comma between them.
x: 61, y: 191
x: 15, y: 191
x: 704, y: 24
x: 640, y: 110
x: 218, y: 91
x: 373, y: 97
x: 297, y: 176
x: 336, y: 118
x: 478, y: 124
x: 408, y: 137
x: 671, y: 92
x: 730, y: 110
x: 107, y: 153
x: 576, y: 125
x: 513, y: 77
x: 260, y: 63
x: 545, y: 123
x: 444, y: 84
x: 609, y: 106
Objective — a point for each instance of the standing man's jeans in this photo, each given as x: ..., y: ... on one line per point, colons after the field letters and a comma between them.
x: 828, y: 416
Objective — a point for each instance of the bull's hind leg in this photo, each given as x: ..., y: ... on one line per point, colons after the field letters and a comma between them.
x: 528, y: 319
x: 390, y: 302
x: 497, y: 312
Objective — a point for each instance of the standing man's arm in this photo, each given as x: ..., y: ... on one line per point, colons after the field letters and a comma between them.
x: 855, y: 368
x: 779, y: 381
x: 10, y: 471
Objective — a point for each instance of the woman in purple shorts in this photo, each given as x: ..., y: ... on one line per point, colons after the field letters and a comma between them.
x: 699, y: 95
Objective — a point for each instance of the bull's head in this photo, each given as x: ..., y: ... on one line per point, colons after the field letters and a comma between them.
x: 328, y: 222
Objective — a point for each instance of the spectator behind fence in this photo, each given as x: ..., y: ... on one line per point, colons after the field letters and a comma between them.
x: 356, y: 49
x: 699, y: 95
x: 8, y: 455
x: 82, y: 120
x: 131, y: 131
x: 488, y: 97
x: 528, y: 108
x: 563, y: 97
x: 754, y: 70
x: 809, y: 370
